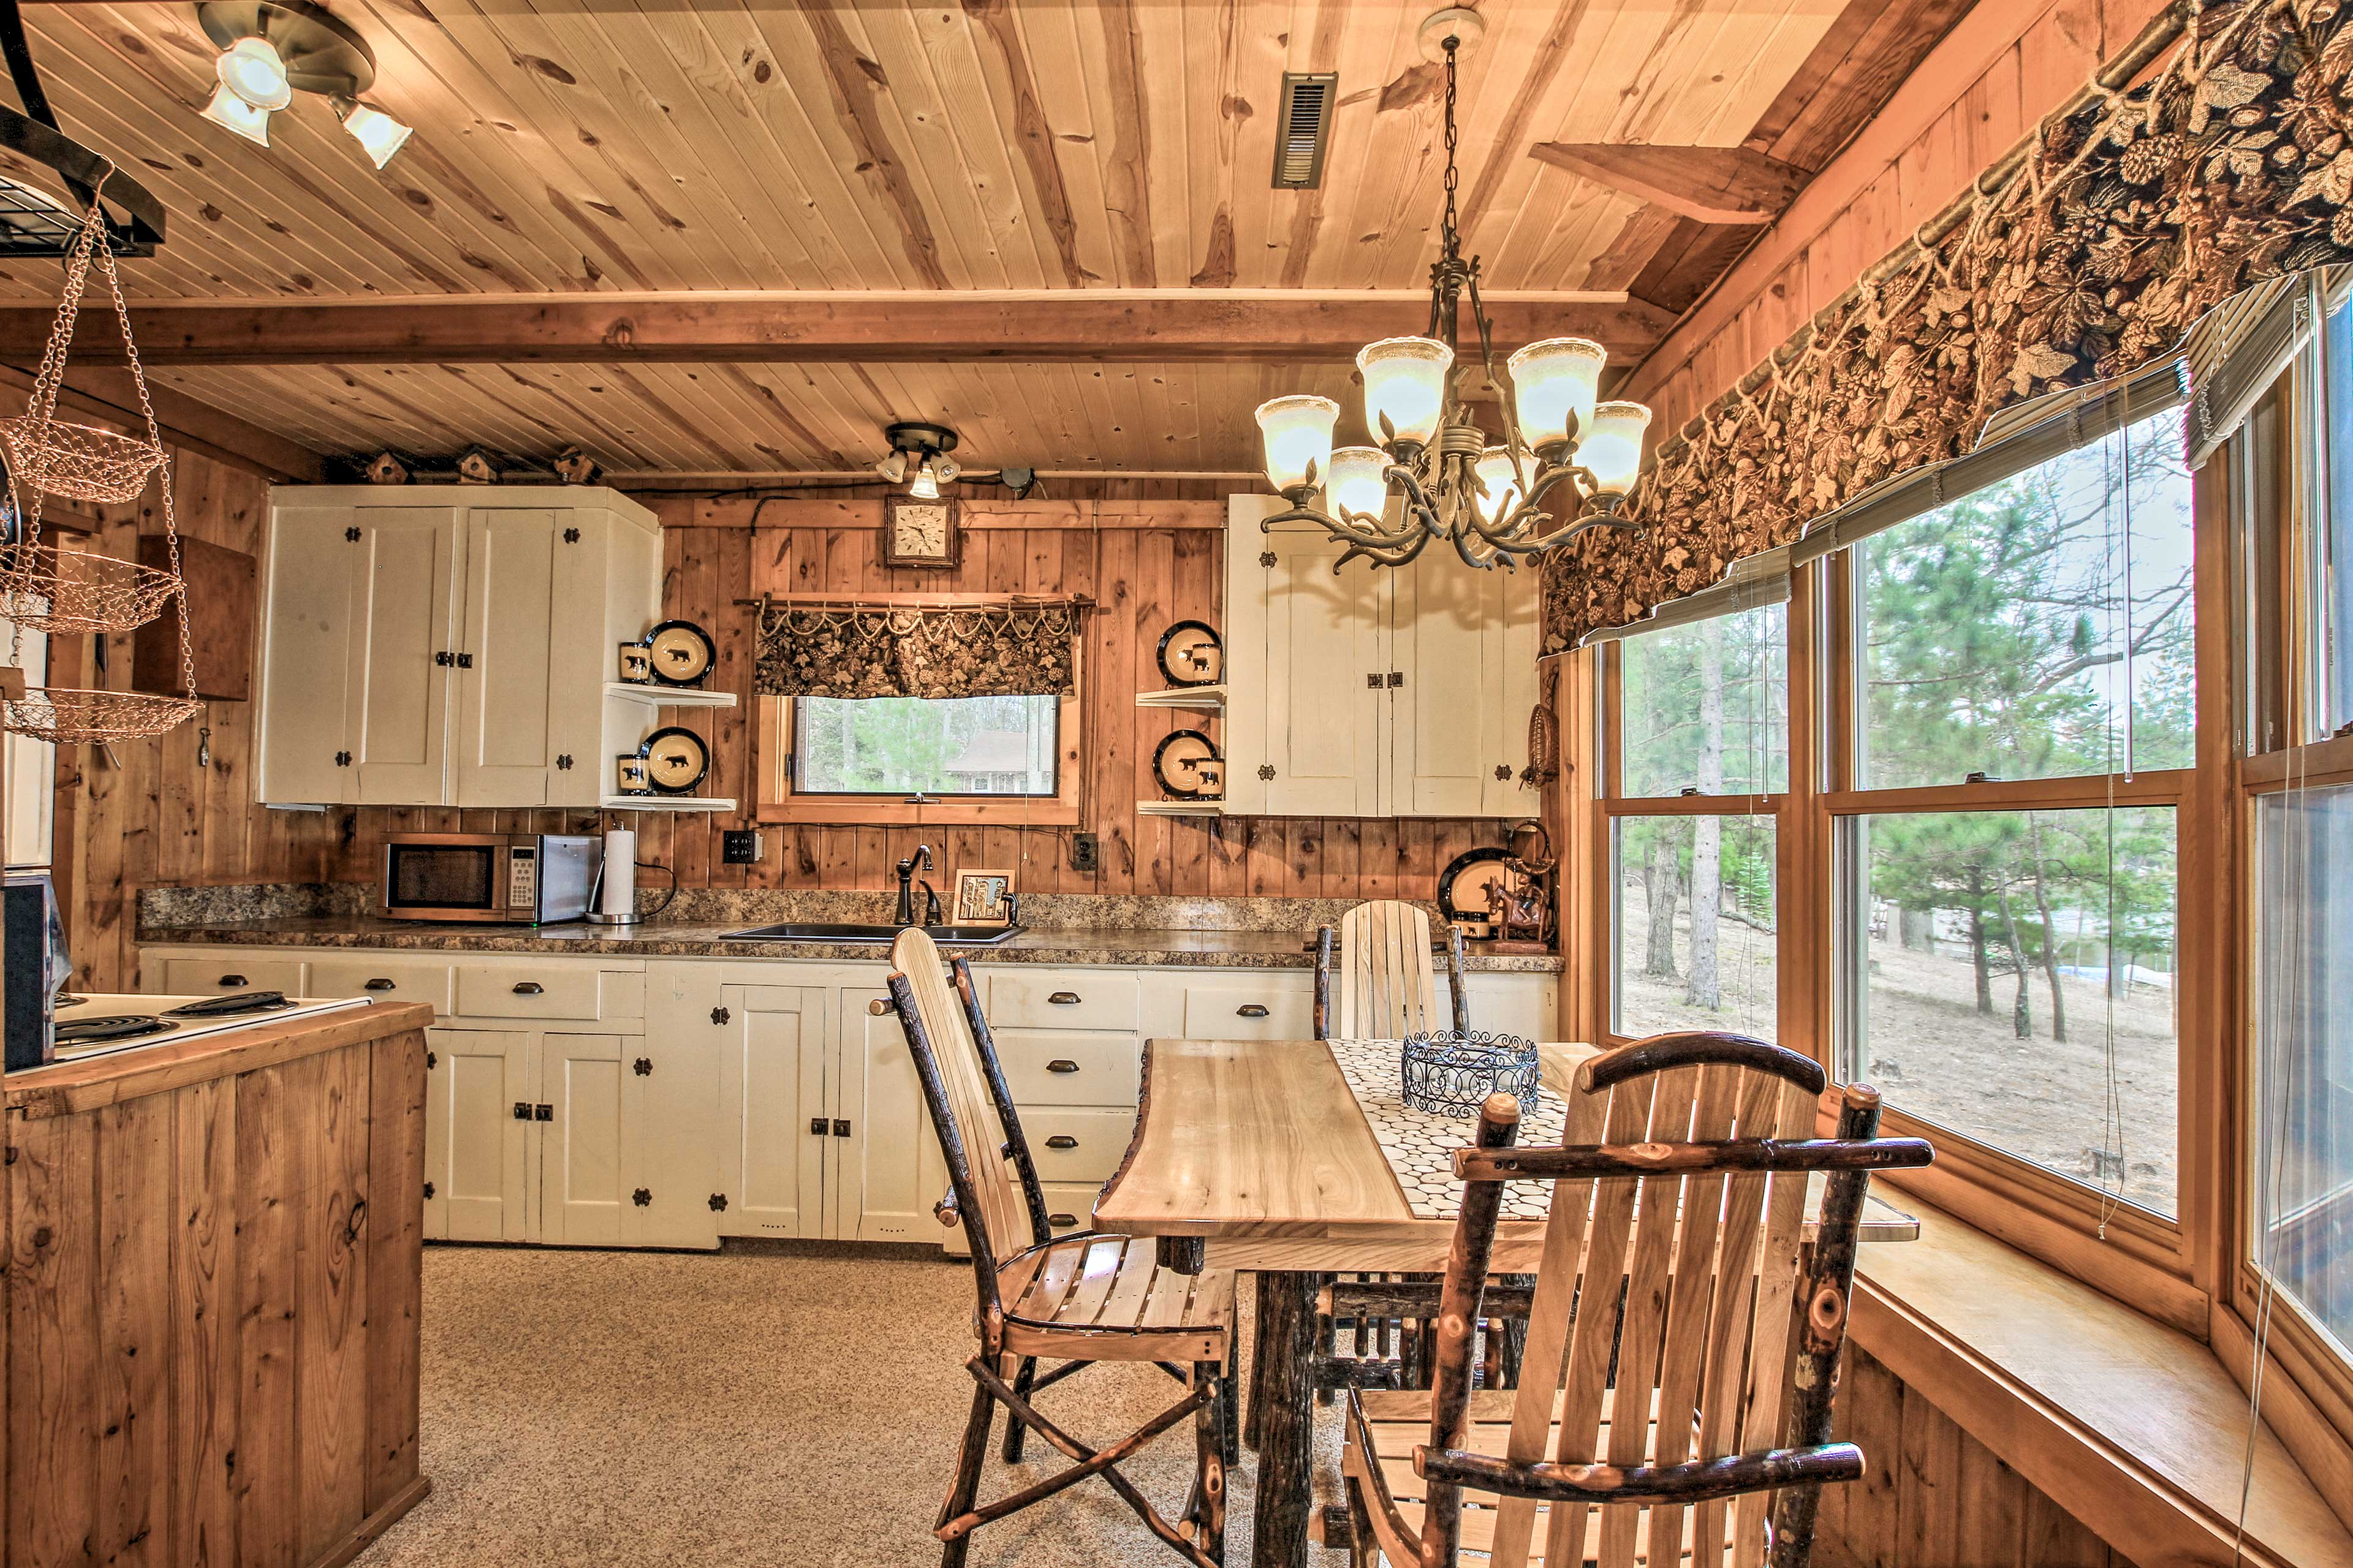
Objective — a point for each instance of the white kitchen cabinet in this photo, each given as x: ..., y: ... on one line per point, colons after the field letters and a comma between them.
x: 475, y: 1146
x: 888, y: 1170
x: 589, y: 1132
x: 774, y: 1111
x: 1372, y: 691
x: 450, y: 646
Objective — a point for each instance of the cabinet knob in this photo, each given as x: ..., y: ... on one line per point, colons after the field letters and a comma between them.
x: 641, y: 1198
x: 378, y: 984
x: 1061, y: 1063
x: 528, y: 988
x: 542, y: 1113
x: 643, y: 1066
x: 523, y: 1110
x: 1064, y: 999
x: 720, y: 1014
x: 1250, y: 1010
x: 232, y: 980
x: 1062, y: 1221
x: 465, y: 661
x: 444, y: 658
x: 1061, y: 1141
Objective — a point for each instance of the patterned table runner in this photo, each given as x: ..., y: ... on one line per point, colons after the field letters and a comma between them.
x: 1421, y: 1147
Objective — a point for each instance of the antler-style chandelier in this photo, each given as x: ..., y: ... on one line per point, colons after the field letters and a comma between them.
x: 1434, y: 474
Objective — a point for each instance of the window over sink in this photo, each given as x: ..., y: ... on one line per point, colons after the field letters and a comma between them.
x: 1001, y: 760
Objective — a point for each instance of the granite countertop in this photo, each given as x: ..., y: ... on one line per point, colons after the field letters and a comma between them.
x: 691, y: 939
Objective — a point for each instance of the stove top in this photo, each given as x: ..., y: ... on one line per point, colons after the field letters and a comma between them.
x: 95, y: 1025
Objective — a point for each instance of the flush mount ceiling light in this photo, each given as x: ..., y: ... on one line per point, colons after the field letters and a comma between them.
x: 1434, y: 474
x: 272, y: 50
x: 918, y: 457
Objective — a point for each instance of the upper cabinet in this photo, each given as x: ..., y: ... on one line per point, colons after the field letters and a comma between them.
x: 449, y: 644
x: 1372, y: 691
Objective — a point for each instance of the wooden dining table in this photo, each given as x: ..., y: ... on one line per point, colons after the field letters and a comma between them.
x: 1255, y: 1155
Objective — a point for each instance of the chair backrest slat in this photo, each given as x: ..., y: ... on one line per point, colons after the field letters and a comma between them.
x: 1001, y: 1226
x: 1765, y: 1398
x: 1389, y: 987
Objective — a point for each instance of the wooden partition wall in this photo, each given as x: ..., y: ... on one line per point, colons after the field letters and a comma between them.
x: 154, y: 818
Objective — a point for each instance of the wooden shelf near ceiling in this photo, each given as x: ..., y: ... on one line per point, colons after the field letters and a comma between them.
x: 668, y: 696
x: 1210, y: 697
x: 666, y: 803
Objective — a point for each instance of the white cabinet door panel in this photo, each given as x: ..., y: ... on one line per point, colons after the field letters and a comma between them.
x: 1465, y: 642
x: 888, y: 1171
x: 305, y: 640
x: 398, y: 696
x: 475, y: 1147
x: 523, y: 584
x: 584, y: 1143
x: 1326, y: 664
x: 771, y: 1087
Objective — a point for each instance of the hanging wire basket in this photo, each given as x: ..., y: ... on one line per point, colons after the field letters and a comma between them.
x: 72, y: 716
x: 81, y: 462
x: 69, y: 591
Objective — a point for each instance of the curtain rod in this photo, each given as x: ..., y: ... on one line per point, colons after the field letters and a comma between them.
x: 921, y: 601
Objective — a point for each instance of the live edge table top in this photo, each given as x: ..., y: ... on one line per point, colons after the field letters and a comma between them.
x: 1259, y: 1148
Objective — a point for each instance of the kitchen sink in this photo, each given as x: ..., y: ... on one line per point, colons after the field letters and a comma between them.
x: 821, y: 930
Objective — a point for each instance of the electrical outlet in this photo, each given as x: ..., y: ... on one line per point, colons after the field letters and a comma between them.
x: 741, y: 847
x: 1086, y: 852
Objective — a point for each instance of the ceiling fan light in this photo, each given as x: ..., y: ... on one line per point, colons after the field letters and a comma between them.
x: 1405, y: 383
x: 1552, y: 381
x: 1296, y: 433
x: 231, y: 113
x: 1612, y: 452
x: 925, y: 485
x: 1503, y: 481
x: 1356, y: 486
x: 379, y: 134
x: 251, y: 69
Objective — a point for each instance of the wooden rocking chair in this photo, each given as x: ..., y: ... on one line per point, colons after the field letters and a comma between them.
x: 1644, y: 1425
x: 1087, y: 1298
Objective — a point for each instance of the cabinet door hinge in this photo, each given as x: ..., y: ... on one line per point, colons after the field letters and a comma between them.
x: 720, y: 1014
x: 431, y: 1061
x: 643, y: 1066
x: 428, y: 1189
x: 719, y: 1203
x: 641, y: 1198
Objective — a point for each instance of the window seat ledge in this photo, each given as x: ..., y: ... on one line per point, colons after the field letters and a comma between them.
x: 2135, y: 1428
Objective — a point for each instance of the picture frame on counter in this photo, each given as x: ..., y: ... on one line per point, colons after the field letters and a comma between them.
x: 983, y: 897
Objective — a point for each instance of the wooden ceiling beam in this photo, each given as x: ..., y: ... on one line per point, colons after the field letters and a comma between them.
x: 1708, y: 185
x: 1040, y: 326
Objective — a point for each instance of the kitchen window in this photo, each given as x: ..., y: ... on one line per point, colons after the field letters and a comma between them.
x: 1007, y: 762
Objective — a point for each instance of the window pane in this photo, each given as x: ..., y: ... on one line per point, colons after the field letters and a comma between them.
x: 2336, y: 628
x: 2011, y: 633
x: 897, y: 745
x: 1695, y: 924
x: 1994, y: 957
x: 1707, y: 706
x: 2303, y: 1050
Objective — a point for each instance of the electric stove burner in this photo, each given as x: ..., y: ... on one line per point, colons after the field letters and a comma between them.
x: 89, y: 1031
x: 230, y: 1006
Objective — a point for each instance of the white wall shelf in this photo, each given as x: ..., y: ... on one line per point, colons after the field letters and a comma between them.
x: 1212, y: 697
x: 1181, y: 808
x: 666, y: 803
x: 668, y: 696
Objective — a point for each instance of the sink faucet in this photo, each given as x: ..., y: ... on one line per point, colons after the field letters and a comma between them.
x: 906, y: 914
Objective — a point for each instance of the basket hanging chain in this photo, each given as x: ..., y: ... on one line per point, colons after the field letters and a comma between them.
x: 154, y: 437
x: 50, y: 377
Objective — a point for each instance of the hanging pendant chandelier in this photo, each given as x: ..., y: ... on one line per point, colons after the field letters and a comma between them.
x: 1435, y: 474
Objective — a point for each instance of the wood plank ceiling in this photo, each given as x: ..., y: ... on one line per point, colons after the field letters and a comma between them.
x: 664, y: 146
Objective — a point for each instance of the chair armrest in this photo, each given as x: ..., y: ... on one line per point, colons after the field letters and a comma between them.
x: 1697, y: 1481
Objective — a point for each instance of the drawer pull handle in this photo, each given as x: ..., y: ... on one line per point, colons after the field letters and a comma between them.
x: 1250, y: 1010
x: 528, y: 988
x: 1061, y: 1141
x: 1062, y: 1221
x: 1061, y: 1063
x: 1064, y: 999
x: 232, y: 980
x: 378, y: 984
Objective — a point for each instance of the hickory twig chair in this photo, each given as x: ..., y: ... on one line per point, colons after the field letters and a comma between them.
x: 1388, y: 987
x: 1086, y: 1299
x: 1659, y: 1403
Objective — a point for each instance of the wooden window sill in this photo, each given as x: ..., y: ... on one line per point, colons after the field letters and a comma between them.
x: 2135, y: 1428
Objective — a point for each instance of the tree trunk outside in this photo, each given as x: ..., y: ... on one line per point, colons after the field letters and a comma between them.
x: 1661, y: 881
x: 1705, y: 989
x: 1978, y: 959
x: 2050, y: 939
x: 2021, y: 1007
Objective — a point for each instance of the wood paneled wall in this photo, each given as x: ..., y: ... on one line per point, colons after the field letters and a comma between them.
x: 2003, y: 66
x: 1931, y: 1496
x: 1149, y: 552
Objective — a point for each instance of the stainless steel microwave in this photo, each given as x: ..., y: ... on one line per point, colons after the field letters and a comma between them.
x: 518, y: 878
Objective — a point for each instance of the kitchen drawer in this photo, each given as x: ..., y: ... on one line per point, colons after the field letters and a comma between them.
x: 1068, y: 1066
x: 1021, y: 997
x: 386, y: 979
x: 1070, y: 1206
x: 1232, y: 1012
x: 234, y: 972
x: 549, y: 991
x: 1076, y: 1145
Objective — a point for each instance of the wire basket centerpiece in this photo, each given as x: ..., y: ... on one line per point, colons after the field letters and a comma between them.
x: 46, y: 589
x: 1446, y: 1073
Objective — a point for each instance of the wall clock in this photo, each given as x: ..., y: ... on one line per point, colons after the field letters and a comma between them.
x: 676, y: 760
x: 921, y: 533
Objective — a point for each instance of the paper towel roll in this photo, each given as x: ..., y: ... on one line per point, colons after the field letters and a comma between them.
x: 620, y: 894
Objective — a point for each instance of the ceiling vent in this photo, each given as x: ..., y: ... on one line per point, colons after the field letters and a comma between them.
x: 1304, y: 130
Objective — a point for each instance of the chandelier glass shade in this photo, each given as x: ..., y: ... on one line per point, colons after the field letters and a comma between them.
x: 1565, y: 462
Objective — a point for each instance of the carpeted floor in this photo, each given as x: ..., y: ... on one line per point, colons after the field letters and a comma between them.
x: 764, y: 1406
